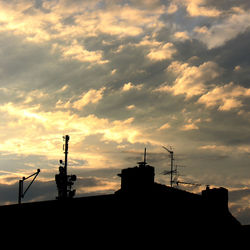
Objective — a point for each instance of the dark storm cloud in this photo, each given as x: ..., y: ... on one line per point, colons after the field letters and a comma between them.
x: 237, y: 206
x: 236, y: 195
x: 227, y: 5
x: 243, y: 215
x: 216, y: 131
x: 21, y: 61
x: 13, y: 162
x: 132, y: 65
x: 234, y: 54
x: 38, y: 191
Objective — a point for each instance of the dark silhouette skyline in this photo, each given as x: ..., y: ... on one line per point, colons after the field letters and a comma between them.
x: 119, y: 76
x: 141, y: 210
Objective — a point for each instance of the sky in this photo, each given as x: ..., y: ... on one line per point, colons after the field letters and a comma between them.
x: 118, y: 76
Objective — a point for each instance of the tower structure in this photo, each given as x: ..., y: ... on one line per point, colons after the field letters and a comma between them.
x: 64, y: 181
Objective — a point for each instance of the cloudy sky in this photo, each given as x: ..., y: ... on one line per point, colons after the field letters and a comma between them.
x: 119, y: 76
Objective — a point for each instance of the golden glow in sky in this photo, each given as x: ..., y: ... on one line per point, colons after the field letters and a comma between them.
x: 119, y: 76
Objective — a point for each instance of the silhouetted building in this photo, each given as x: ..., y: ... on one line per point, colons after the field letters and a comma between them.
x: 216, y: 198
x: 137, y: 179
x: 142, y: 207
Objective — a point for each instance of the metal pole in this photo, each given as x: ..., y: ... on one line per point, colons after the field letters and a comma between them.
x: 172, y: 163
x: 20, y: 191
x: 66, y: 153
x: 66, y: 165
x: 171, y: 173
x: 145, y: 154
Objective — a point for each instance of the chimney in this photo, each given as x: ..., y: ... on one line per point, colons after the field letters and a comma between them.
x: 137, y: 179
x: 216, y: 198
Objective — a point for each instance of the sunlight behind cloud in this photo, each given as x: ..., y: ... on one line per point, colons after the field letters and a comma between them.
x: 29, y: 131
x: 119, y: 76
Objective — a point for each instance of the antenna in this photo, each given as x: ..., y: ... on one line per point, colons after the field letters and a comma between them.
x: 66, y: 148
x: 171, y: 152
x: 21, y: 193
x: 187, y: 183
x: 143, y: 163
x: 145, y: 155
x: 64, y: 181
x: 175, y: 171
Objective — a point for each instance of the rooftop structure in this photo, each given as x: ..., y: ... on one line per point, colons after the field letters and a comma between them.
x: 140, y: 205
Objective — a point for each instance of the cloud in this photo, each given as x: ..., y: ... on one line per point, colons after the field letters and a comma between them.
x: 237, y: 68
x: 63, y: 88
x: 221, y: 32
x: 92, y: 96
x: 129, y: 107
x: 163, y: 52
x: 172, y: 8
x: 201, y: 29
x: 190, y: 80
x: 197, y: 8
x: 123, y: 75
x: 30, y: 130
x: 78, y: 52
x: 47, y: 190
x: 225, y: 97
x: 94, y: 185
x: 114, y: 19
x: 189, y: 126
x: 239, y: 204
x: 128, y: 86
x: 181, y: 36
x: 157, y: 51
x: 165, y: 126
x: 49, y: 24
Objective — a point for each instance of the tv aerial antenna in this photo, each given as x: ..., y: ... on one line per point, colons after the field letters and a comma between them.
x: 187, y: 183
x: 172, y: 170
x: 22, y: 192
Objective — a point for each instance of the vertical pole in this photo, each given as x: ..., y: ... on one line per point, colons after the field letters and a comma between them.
x: 171, y: 172
x: 66, y: 153
x: 66, y: 165
x: 172, y: 164
x: 145, y: 153
x: 20, y: 191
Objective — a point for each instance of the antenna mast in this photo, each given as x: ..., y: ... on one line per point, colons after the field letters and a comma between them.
x: 143, y: 163
x: 64, y: 181
x: 174, y: 171
x: 145, y: 155
x: 66, y: 148
x: 171, y: 152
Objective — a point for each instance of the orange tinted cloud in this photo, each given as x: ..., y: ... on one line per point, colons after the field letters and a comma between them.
x: 197, y: 8
x: 92, y: 96
x: 31, y: 131
x: 162, y: 52
x: 226, y: 97
x: 190, y: 80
